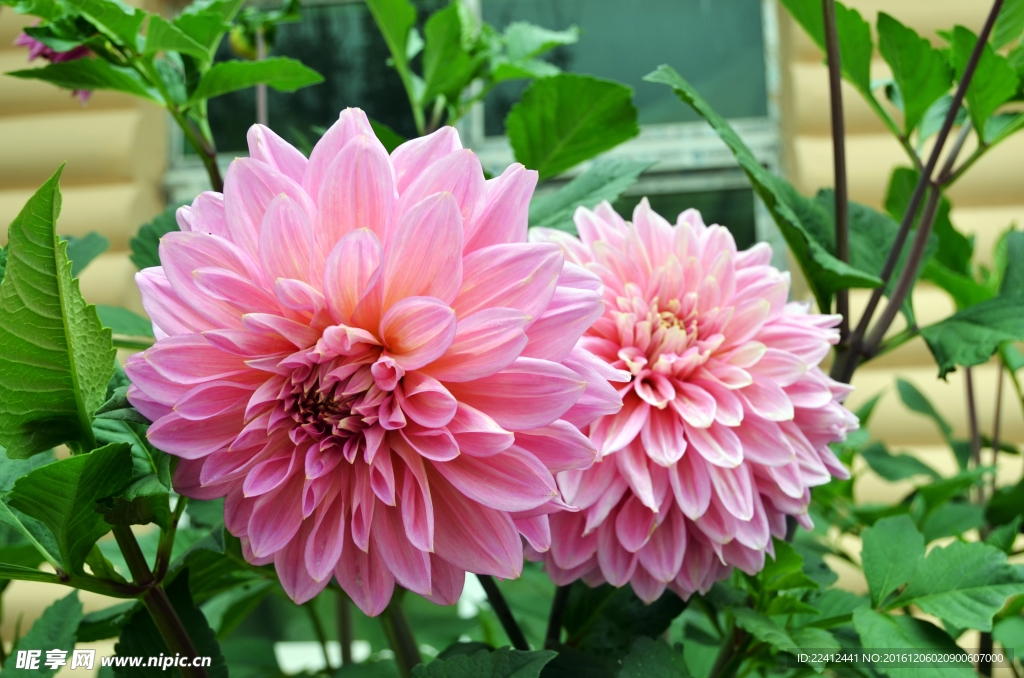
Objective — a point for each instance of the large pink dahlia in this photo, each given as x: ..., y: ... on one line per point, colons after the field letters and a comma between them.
x: 726, y: 421
x: 367, y: 359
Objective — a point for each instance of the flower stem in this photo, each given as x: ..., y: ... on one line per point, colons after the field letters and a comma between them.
x: 554, y: 632
x: 166, y: 545
x: 344, y: 610
x: 321, y: 635
x: 996, y: 421
x: 843, y: 369
x: 839, y: 156
x: 501, y: 608
x: 399, y: 634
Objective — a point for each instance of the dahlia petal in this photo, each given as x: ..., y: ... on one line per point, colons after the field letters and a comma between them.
x: 446, y: 582
x: 662, y: 555
x: 435, y: 444
x: 527, y: 394
x: 606, y: 503
x: 663, y: 438
x: 414, y: 156
x: 503, y: 213
x: 352, y: 269
x: 426, y: 400
x: 270, y: 474
x: 167, y: 311
x: 417, y: 331
x: 570, y: 546
x: 560, y: 446
x: 734, y: 489
x: 147, y: 406
x: 616, y: 563
x: 755, y: 533
x: 569, y: 314
x: 810, y: 392
x: 517, y: 275
x: 513, y: 481
x: 151, y: 383
x: 634, y: 524
x: 477, y: 434
x: 458, y: 173
x: 409, y: 565
x: 694, y: 405
x: 206, y: 215
x: 583, y: 489
x: 691, y: 485
x: 767, y: 400
x: 249, y: 188
x: 473, y: 537
x: 286, y: 241
x: 717, y: 444
x: 382, y: 476
x: 363, y: 576
x: 212, y: 399
x: 614, y: 432
x: 432, y: 225
x: 632, y: 464
x: 351, y: 123
x: 646, y: 587
x: 356, y: 191
x: 779, y: 366
x: 236, y: 290
x: 276, y: 517
x: 268, y: 147
x: 364, y: 503
x: 249, y: 344
x: 292, y: 573
x: 600, y: 398
x: 186, y: 481
x: 298, y: 334
x: 536, y: 531
x: 179, y: 436
x: 484, y: 343
x: 418, y: 513
x: 764, y: 443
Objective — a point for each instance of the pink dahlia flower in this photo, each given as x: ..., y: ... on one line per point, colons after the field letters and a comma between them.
x: 367, y: 359
x: 37, y: 49
x: 725, y: 423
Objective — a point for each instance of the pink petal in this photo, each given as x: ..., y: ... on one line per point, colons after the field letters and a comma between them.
x: 351, y: 123
x: 560, y: 446
x: 291, y: 570
x: 527, y: 394
x: 414, y: 156
x: 458, y: 173
x: 228, y: 286
x: 536, y: 531
x: 212, y: 399
x: 426, y: 401
x: 520, y: 275
x: 276, y: 518
x: 502, y: 216
x: 436, y: 444
x: 566, y: 318
x: 513, y: 481
x: 167, y: 311
x: 249, y: 187
x: 424, y: 253
x: 662, y: 556
x: 614, y: 432
x: 634, y: 524
x: 352, y: 269
x: 206, y: 215
x: 693, y: 404
x: 182, y: 437
x: 409, y: 565
x: 364, y: 578
x: 357, y: 191
x: 325, y: 543
x: 691, y: 485
x: 249, y: 344
x: 418, y: 513
x: 300, y: 335
x: 617, y: 564
x: 767, y: 399
x: 779, y: 366
x: 764, y: 443
x: 569, y: 547
x: 646, y: 587
x: 632, y: 464
x: 417, y: 330
x: 446, y: 582
x: 286, y: 241
x: 477, y: 434
x: 266, y: 146
x: 734, y: 489
x: 484, y: 343
x: 663, y: 438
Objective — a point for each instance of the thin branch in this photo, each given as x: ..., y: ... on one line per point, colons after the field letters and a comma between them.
x: 321, y: 635
x: 344, y: 611
x: 501, y: 609
x: 399, y: 635
x: 844, y: 371
x: 972, y: 417
x: 947, y: 168
x: 996, y: 421
x: 554, y: 632
x: 839, y: 156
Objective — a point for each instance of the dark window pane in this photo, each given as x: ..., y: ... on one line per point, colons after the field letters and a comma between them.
x: 732, y: 208
x: 715, y: 44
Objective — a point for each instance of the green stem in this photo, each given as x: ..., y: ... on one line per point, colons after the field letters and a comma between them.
x: 166, y: 545
x: 344, y: 609
x: 504, y: 613
x: 396, y: 628
x: 554, y: 632
x: 134, y: 342
x: 321, y: 635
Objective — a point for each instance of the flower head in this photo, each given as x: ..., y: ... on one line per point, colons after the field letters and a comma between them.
x: 37, y: 49
x: 726, y: 419
x: 363, y: 354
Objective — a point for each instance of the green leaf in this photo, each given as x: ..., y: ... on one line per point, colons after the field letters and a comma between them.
x: 920, y: 71
x: 105, y: 623
x: 973, y: 335
x: 55, y: 357
x: 605, y: 620
x: 3, y: 263
x: 140, y: 637
x: 161, y: 36
x: 525, y: 41
x: 113, y: 18
x: 35, y: 533
x: 63, y: 496
x: 1010, y: 634
x: 1012, y: 284
x: 854, y: 39
x: 281, y: 73
x: 54, y: 630
x: 994, y: 80
x: 91, y: 74
x: 118, y: 408
x: 802, y: 222
x: 785, y: 571
x: 935, y: 116
x: 917, y: 402
x: 892, y: 550
x: 763, y: 629
x: 447, y: 66
x: 46, y: 9
x: 563, y: 120
x: 83, y: 250
x: 882, y: 631
x: 895, y: 467
x: 606, y: 179
x: 122, y: 321
x: 501, y: 663
x: 1003, y: 536
x: 1009, y: 24
x: 952, y: 519
x: 142, y: 510
x: 963, y: 584
x: 205, y: 28
x: 954, y: 249
x: 395, y: 18
x: 387, y: 136
x: 145, y: 245
x: 940, y: 491
x: 229, y: 609
x: 649, y: 658
x: 785, y: 605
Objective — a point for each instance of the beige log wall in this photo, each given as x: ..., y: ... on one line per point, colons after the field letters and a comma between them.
x: 985, y: 201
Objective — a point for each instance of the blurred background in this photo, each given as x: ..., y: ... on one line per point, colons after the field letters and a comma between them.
x: 125, y: 162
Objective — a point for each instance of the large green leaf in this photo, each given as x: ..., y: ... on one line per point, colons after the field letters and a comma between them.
x: 113, y: 18
x: 803, y: 223
x: 447, y: 66
x: 1012, y: 284
x: 1009, y: 23
x: 994, y: 80
x: 162, y: 36
x: 63, y: 496
x: 501, y: 663
x: 83, y: 250
x: 281, y: 73
x: 894, y: 467
x: 883, y: 631
x: 605, y: 620
x: 145, y: 245
x: 563, y: 120
x: 854, y: 38
x: 952, y: 519
x: 892, y: 549
x: 122, y: 321
x: 91, y: 74
x: 918, y: 402
x: 205, y: 28
x: 395, y: 18
x: 606, y: 179
x: 55, y: 356
x: 920, y: 71
x: 54, y: 630
x: 972, y: 335
x: 963, y: 584
x: 785, y: 570
x: 649, y: 658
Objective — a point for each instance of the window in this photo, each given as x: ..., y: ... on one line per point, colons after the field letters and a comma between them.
x: 726, y: 48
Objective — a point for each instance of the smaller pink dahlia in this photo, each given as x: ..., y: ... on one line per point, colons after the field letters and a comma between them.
x: 37, y: 49
x: 726, y: 420
x: 363, y: 354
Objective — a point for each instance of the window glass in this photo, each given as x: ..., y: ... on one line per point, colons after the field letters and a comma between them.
x: 715, y: 44
x: 732, y: 208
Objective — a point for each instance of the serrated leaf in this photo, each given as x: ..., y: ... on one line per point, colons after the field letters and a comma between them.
x: 54, y: 630
x: 145, y: 245
x: 974, y: 334
x: 113, y: 18
x: 501, y: 663
x: 963, y: 584
x: 605, y: 620
x: 447, y: 66
x: 918, y: 402
x: 920, y: 71
x: 606, y: 179
x: 83, y: 250
x: 55, y: 356
x: 649, y: 658
x: 882, y: 631
x: 395, y: 19
x: 122, y: 321
x: 994, y: 80
x: 895, y: 467
x: 162, y: 36
x: 785, y: 571
x: 1004, y: 536
x: 762, y: 628
x: 281, y: 73
x: 935, y: 116
x: 91, y: 74
x: 1009, y: 24
x: 563, y: 120
x: 892, y: 550
x: 63, y: 496
x: 105, y: 623
x: 205, y: 28
x: 801, y: 221
x: 117, y: 407
x: 854, y: 38
x: 952, y: 519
